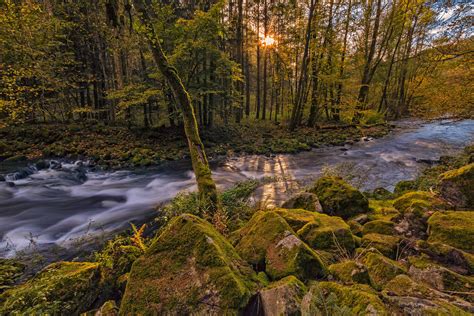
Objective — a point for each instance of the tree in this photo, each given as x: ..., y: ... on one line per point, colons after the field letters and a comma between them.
x: 206, y: 186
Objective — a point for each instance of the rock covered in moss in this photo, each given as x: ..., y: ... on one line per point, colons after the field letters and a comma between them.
x: 455, y: 228
x: 356, y: 227
x: 327, y: 233
x: 440, y: 278
x: 456, y: 186
x: 331, y: 298
x: 109, y: 308
x: 404, y: 186
x: 297, y: 218
x: 339, y: 198
x: 10, y: 271
x: 418, y: 203
x: 387, y: 245
x: 189, y: 268
x: 349, y: 272
x: 381, y: 269
x: 305, y: 200
x: 269, y: 243
x: 379, y: 227
x: 455, y: 259
x: 414, y: 298
x: 59, y: 289
x: 282, y: 297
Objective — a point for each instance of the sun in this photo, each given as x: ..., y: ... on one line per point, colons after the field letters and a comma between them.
x: 268, y: 41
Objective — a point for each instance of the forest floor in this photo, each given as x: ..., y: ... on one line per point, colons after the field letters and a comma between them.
x: 120, y: 147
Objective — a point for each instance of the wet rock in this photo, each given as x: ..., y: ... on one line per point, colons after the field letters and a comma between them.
x: 55, y: 165
x: 381, y: 269
x: 190, y: 268
x: 42, y: 164
x: 282, y: 297
x: 339, y: 198
x: 349, y: 272
x: 387, y: 245
x: 414, y: 298
x: 60, y: 289
x: 10, y: 184
x: 2, y: 178
x: 330, y: 298
x: 306, y: 201
x: 269, y: 243
x: 456, y: 186
x: 453, y: 228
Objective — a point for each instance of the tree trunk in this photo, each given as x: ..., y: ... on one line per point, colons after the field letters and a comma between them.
x: 206, y: 186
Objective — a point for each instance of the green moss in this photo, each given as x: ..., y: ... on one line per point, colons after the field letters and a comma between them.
x: 453, y: 228
x: 282, y: 297
x: 355, y: 227
x: 415, y: 298
x: 387, y: 245
x: 381, y: 269
x: 296, y: 218
x: 379, y: 227
x: 447, y: 255
x: 268, y: 242
x: 328, y: 233
x: 61, y: 288
x: 404, y: 186
x: 424, y: 270
x: 339, y: 198
x: 188, y: 264
x: 417, y: 202
x: 10, y: 271
x: 305, y: 200
x: 456, y: 186
x: 349, y: 272
x: 330, y: 298
x: 382, y: 210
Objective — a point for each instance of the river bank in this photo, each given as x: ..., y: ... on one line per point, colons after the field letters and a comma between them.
x: 119, y: 147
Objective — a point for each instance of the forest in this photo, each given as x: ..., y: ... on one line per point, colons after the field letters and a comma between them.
x: 236, y: 157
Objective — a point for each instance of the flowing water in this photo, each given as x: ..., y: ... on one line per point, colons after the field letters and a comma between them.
x: 58, y: 205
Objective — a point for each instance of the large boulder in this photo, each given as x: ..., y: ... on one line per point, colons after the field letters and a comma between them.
x: 418, y: 203
x: 319, y: 231
x: 281, y: 298
x: 349, y: 272
x: 381, y: 269
x: 440, y: 278
x: 414, y: 298
x: 455, y: 228
x: 305, y: 200
x: 270, y: 244
x: 190, y: 268
x: 387, y: 245
x: 59, y: 289
x: 339, y: 198
x: 456, y: 186
x: 330, y: 298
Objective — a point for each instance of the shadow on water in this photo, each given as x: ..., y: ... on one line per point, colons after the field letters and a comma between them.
x: 60, y: 203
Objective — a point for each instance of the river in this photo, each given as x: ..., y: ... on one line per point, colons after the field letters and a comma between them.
x: 58, y: 206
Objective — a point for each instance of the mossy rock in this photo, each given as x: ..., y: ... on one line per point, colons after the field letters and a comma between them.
x: 331, y: 298
x: 339, y: 198
x: 382, y: 210
x: 356, y: 227
x: 297, y: 218
x: 10, y: 271
x: 305, y: 200
x: 327, y: 233
x: 379, y: 227
x: 414, y: 298
x: 456, y: 186
x: 59, y: 289
x: 189, y: 268
x: 387, y: 245
x: 418, y: 203
x: 270, y: 244
x: 381, y: 269
x: 379, y: 194
x: 453, y: 258
x: 281, y: 298
x: 349, y: 272
x: 438, y: 277
x: 453, y: 228
x: 404, y: 186
x: 109, y: 308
